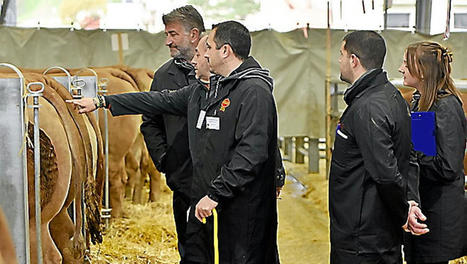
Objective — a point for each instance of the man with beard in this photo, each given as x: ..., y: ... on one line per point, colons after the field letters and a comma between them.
x: 166, y: 135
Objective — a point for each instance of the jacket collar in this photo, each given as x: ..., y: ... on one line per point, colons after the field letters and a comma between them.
x: 369, y: 79
x: 250, y: 68
x: 416, y: 99
x: 180, y: 67
x: 249, y: 63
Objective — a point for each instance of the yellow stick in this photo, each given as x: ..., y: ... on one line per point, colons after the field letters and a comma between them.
x: 216, y: 241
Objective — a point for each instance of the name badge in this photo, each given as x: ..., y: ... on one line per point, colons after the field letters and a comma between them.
x: 201, y: 116
x: 213, y: 122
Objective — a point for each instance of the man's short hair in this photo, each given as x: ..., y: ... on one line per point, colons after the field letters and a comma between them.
x: 368, y: 46
x: 187, y: 15
x: 235, y: 35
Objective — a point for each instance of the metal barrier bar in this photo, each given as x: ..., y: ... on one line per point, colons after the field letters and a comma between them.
x: 13, y: 163
x: 106, y: 212
x: 299, y: 144
x: 311, y: 148
x: 37, y: 165
x: 68, y: 80
x: 77, y: 87
x: 313, y: 155
x: 312, y: 152
x: 288, y: 148
x: 303, y: 152
x: 90, y: 92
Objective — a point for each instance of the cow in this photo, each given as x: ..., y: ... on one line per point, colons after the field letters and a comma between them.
x: 124, y: 130
x: 89, y: 156
x: 122, y: 134
x: 139, y: 167
x: 55, y: 172
x: 138, y: 162
x: 7, y: 248
x: 68, y: 160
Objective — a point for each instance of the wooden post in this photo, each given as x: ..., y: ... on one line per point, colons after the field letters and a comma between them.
x: 120, y: 49
x: 327, y: 95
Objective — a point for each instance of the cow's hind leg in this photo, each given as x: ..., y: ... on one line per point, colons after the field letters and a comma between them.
x: 116, y: 182
x: 131, y: 169
x: 50, y: 252
x: 62, y: 229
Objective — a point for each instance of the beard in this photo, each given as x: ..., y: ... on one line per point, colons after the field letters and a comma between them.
x: 185, y: 53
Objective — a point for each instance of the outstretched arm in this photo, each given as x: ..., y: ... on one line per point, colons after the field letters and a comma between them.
x: 148, y: 103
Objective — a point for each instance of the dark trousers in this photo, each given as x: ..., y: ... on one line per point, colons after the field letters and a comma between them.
x: 345, y: 257
x: 180, y: 207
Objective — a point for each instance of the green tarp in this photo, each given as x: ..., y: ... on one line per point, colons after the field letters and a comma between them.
x: 298, y: 64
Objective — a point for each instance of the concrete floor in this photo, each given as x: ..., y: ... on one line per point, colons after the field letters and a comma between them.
x: 303, y: 233
x: 303, y: 217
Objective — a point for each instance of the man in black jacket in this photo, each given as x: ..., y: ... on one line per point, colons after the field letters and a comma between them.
x: 166, y: 135
x: 368, y: 202
x: 232, y: 128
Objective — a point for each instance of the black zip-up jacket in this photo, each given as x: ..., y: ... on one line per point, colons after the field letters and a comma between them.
x: 369, y: 167
x: 234, y: 153
x: 166, y: 135
x: 442, y: 196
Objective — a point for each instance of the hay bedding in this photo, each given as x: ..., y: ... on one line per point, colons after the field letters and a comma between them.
x: 145, y: 234
x: 462, y: 260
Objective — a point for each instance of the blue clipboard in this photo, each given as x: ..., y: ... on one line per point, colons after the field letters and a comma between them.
x: 423, y: 132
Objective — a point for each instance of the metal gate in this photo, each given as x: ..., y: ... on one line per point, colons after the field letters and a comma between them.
x: 13, y: 174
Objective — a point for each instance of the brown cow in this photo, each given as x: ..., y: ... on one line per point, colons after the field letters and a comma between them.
x: 56, y: 170
x: 69, y: 141
x: 154, y: 177
x: 139, y: 166
x: 7, y: 248
x: 122, y: 130
x: 138, y: 162
x: 134, y: 172
x: 56, y: 167
x: 122, y: 134
x: 123, y: 79
x: 89, y: 145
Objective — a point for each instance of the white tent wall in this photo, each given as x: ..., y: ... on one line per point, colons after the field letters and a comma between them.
x: 298, y: 64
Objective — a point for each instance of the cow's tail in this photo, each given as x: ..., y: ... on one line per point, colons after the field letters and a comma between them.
x: 93, y: 190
